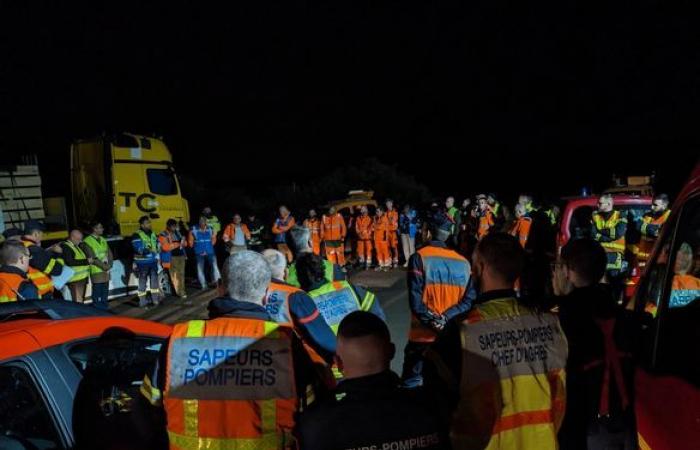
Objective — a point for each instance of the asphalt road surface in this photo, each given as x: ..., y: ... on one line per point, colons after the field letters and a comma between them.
x: 389, y: 287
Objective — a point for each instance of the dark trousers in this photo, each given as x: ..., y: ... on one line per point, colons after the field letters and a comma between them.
x: 412, y: 374
x: 100, y: 295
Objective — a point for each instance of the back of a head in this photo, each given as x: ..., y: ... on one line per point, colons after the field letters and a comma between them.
x: 310, y: 270
x: 298, y: 239
x: 276, y: 261
x: 502, y: 255
x: 364, y: 345
x: 439, y: 228
x: 586, y: 258
x: 247, y: 276
x: 10, y: 252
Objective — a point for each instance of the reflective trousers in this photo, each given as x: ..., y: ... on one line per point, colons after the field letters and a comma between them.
x: 364, y: 251
x: 334, y: 254
x: 393, y: 243
x: 382, y: 250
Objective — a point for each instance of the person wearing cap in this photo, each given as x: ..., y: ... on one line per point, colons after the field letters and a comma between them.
x: 42, y: 265
x: 438, y: 281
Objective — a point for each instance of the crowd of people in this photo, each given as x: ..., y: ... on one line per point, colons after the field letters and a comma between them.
x: 295, y: 355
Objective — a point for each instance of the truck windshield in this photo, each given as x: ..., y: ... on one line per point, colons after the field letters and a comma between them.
x: 161, y: 181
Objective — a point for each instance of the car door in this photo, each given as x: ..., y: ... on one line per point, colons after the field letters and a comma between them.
x: 668, y: 379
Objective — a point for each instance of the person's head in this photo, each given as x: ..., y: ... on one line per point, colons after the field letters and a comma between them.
x: 684, y: 259
x: 332, y: 211
x: 605, y: 203
x: 491, y: 199
x: 206, y: 212
x: 520, y: 210
x: 466, y: 202
x: 76, y: 236
x: 247, y: 276
x: 481, y: 202
x: 171, y: 225
x: 406, y: 209
x: 203, y: 222
x: 299, y: 240
x: 97, y: 228
x: 310, y: 270
x: 364, y: 210
x: 583, y: 262
x: 449, y: 202
x: 251, y: 217
x: 312, y: 213
x: 237, y: 219
x: 277, y: 262
x: 145, y: 223
x: 525, y: 200
x: 379, y: 211
x: 34, y: 230
x: 389, y: 204
x: 284, y: 212
x: 364, y: 345
x: 12, y: 234
x: 660, y: 203
x: 438, y: 230
x: 498, y: 261
x: 15, y: 254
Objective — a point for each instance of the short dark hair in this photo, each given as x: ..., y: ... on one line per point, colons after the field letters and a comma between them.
x: 310, y: 270
x: 503, y: 254
x: 93, y: 223
x: 170, y: 222
x: 361, y: 324
x: 10, y: 251
x: 143, y: 219
x: 586, y: 257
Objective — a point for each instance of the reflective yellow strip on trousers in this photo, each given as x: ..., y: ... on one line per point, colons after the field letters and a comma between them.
x: 195, y: 328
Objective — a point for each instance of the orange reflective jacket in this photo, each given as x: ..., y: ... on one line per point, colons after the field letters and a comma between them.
x: 363, y: 227
x: 314, y: 226
x: 485, y: 223
x: 380, y: 228
x: 333, y: 228
x: 43, y: 282
x: 9, y: 286
x: 229, y: 234
x: 230, y: 385
x: 393, y: 217
x: 521, y: 229
x: 646, y: 243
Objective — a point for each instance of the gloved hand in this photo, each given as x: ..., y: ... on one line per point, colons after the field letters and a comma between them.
x: 437, y: 321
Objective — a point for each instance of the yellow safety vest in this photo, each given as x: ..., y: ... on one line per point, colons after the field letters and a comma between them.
x: 81, y: 272
x: 100, y: 248
x: 618, y: 243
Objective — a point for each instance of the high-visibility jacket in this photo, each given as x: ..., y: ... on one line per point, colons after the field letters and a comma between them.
x: 277, y: 302
x: 169, y: 243
x: 607, y: 234
x: 100, y: 248
x: 329, y: 271
x: 363, y: 228
x: 214, y: 224
x: 81, y: 272
x: 280, y: 228
x: 10, y: 284
x: 512, y: 386
x: 230, y: 385
x: 486, y: 221
x: 521, y: 229
x: 685, y: 289
x: 380, y: 228
x: 337, y: 299
x: 42, y: 281
x: 145, y: 247
x: 393, y: 217
x: 230, y: 232
x: 202, y: 240
x: 649, y: 229
x: 333, y: 228
x: 446, y: 276
x: 314, y: 226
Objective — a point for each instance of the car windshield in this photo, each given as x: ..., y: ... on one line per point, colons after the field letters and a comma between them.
x: 580, y: 225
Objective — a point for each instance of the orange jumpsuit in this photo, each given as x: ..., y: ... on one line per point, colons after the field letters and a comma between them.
x: 381, y: 240
x: 333, y: 233
x: 363, y: 228
x: 393, y: 217
x: 485, y: 223
x: 521, y: 229
x: 314, y: 226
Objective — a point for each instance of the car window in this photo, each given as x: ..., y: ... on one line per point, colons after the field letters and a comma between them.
x: 25, y: 421
x: 161, y: 181
x: 112, y: 367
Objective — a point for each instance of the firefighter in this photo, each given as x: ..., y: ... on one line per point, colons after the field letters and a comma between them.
x: 314, y: 226
x: 299, y: 240
x: 453, y: 213
x: 380, y: 234
x: 202, y: 240
x: 237, y: 379
x: 146, y: 254
x: 75, y: 258
x: 14, y: 265
x: 236, y: 235
x: 333, y: 232
x: 173, y: 257
x: 282, y: 224
x: 257, y: 231
x: 650, y: 226
x: 369, y: 409
x: 506, y: 390
x: 212, y: 220
x: 485, y: 217
x: 496, y: 208
x: 521, y: 226
x: 363, y: 229
x: 438, y: 279
x: 42, y: 265
x: 392, y: 216
x: 609, y: 226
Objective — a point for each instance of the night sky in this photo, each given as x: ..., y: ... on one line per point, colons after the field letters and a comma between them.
x: 465, y: 96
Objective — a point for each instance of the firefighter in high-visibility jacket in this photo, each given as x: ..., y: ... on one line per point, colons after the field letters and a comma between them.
x: 314, y: 225
x: 500, y: 367
x: 521, y: 226
x: 333, y: 232
x: 363, y: 229
x: 14, y: 264
x: 484, y: 217
x: 609, y: 227
x: 392, y: 216
x: 42, y: 265
x: 438, y: 282
x: 650, y: 226
x: 236, y: 380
